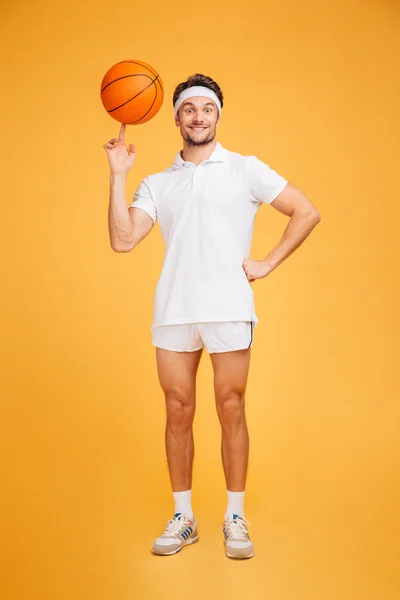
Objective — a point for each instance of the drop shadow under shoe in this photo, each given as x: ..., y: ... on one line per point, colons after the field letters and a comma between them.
x: 179, y: 531
x: 236, y: 538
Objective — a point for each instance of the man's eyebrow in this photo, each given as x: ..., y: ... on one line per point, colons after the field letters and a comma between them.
x: 205, y: 104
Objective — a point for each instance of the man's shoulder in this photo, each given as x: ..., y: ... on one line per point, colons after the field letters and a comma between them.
x: 247, y: 162
x: 158, y: 182
x: 159, y: 176
x: 236, y: 158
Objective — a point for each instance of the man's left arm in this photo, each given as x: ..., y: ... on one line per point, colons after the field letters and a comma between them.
x: 303, y: 218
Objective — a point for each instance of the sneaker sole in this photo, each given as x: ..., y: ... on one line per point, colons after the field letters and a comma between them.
x: 229, y: 555
x: 185, y: 543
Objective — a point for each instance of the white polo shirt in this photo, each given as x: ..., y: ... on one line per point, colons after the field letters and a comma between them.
x: 206, y: 214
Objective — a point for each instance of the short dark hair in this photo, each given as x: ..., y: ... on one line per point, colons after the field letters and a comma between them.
x: 198, y: 79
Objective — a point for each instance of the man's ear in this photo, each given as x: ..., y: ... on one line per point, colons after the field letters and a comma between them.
x: 177, y: 123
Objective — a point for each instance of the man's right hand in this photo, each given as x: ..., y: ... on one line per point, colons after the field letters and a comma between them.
x: 120, y: 158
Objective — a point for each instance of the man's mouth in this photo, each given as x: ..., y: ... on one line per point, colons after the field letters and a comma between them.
x: 198, y: 128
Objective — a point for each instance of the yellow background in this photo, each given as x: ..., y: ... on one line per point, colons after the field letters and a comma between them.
x: 312, y: 89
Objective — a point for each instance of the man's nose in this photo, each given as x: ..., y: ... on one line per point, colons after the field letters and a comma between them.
x: 198, y: 118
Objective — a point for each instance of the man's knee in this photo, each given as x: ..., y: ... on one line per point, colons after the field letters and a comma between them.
x: 230, y: 407
x: 180, y: 407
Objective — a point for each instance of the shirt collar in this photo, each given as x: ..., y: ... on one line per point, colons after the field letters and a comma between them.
x: 217, y: 155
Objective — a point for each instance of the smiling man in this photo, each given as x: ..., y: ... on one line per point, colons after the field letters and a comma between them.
x: 206, y: 203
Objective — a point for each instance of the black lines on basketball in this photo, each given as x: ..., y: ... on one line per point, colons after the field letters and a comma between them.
x: 158, y: 80
x: 136, y: 62
x: 147, y: 112
x: 133, y: 97
x: 125, y: 77
x: 123, y: 97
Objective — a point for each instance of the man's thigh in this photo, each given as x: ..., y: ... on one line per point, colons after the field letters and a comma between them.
x: 177, y: 373
x: 231, y: 370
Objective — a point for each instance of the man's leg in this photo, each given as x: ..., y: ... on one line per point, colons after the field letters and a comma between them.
x: 230, y: 378
x: 177, y: 375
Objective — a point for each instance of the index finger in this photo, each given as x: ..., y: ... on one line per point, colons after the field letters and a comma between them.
x: 122, y: 131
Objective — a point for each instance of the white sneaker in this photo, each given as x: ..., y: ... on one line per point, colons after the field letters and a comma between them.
x: 237, y: 540
x: 179, y: 531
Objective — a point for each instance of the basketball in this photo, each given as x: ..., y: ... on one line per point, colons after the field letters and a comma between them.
x: 132, y: 92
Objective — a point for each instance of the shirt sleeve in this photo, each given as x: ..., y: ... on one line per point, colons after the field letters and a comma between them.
x: 264, y: 183
x: 143, y: 199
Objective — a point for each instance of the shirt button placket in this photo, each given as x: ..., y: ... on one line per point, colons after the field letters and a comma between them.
x: 197, y: 179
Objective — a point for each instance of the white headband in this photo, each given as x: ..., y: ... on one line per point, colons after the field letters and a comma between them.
x: 197, y: 90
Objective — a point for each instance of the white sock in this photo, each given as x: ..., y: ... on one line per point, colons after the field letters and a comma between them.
x: 183, y: 502
x: 235, y: 505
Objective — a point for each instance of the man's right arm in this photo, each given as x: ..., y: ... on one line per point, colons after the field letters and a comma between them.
x: 127, y: 226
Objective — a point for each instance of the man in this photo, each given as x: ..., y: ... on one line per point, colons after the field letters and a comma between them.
x: 206, y: 203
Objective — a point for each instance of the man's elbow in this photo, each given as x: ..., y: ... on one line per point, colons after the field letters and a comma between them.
x: 312, y: 214
x: 308, y: 214
x: 304, y: 207
x: 315, y: 216
x: 122, y: 248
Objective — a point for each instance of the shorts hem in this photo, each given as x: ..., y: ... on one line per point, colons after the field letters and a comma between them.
x: 195, y: 321
x: 174, y: 349
x: 231, y: 350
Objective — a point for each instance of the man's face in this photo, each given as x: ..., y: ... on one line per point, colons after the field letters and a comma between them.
x: 198, y: 119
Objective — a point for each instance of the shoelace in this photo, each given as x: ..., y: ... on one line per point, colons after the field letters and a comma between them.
x: 237, y: 528
x: 176, y: 524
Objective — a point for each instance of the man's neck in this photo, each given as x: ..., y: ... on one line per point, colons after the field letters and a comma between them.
x: 197, y: 154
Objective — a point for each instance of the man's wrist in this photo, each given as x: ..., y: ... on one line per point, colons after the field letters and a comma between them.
x: 115, y: 176
x: 268, y: 266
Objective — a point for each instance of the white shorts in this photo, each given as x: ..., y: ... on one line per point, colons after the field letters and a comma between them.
x: 223, y: 336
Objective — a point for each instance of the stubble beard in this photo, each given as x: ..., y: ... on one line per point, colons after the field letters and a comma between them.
x: 193, y: 142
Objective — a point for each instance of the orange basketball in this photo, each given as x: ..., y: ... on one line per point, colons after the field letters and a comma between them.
x: 132, y: 92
